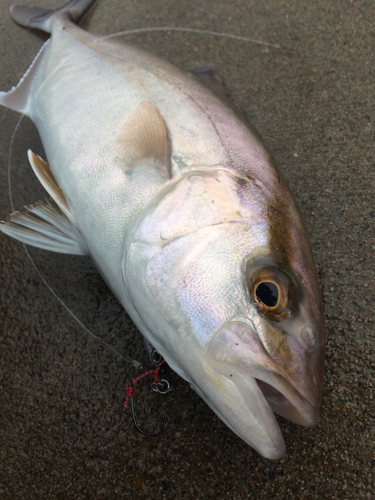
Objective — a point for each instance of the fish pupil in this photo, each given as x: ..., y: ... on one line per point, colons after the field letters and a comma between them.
x: 267, y: 293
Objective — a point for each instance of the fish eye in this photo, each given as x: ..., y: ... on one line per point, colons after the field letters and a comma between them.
x: 267, y: 293
x: 271, y: 290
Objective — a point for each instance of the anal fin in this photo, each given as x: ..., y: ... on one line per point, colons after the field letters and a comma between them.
x: 18, y: 97
x: 44, y: 225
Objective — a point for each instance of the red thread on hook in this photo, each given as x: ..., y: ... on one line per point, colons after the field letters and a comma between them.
x: 130, y: 387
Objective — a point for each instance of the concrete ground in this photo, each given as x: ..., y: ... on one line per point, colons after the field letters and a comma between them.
x: 64, y: 432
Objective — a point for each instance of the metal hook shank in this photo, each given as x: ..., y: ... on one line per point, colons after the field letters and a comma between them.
x: 163, y: 423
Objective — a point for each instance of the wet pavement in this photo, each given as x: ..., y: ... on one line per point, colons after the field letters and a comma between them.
x: 64, y: 432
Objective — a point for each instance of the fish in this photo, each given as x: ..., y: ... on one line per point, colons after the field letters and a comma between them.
x: 154, y: 173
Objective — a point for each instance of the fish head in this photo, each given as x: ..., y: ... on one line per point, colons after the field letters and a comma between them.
x: 228, y: 293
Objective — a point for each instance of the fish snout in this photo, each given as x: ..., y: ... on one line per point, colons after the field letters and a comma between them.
x: 289, y: 380
x: 298, y: 354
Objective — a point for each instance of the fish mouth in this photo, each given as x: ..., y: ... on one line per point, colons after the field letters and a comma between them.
x: 274, y: 398
x: 253, y: 388
x: 287, y: 402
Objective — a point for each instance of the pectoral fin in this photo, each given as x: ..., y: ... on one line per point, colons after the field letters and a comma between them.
x: 44, y: 225
x: 144, y: 140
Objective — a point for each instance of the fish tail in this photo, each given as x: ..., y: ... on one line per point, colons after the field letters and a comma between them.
x: 35, y: 17
x: 38, y: 18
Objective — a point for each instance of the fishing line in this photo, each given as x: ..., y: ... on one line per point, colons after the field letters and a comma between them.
x: 135, y: 363
x: 190, y: 30
x: 217, y: 33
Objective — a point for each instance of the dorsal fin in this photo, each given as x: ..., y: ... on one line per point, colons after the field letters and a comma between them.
x: 211, y: 78
x: 43, y: 172
x: 144, y: 135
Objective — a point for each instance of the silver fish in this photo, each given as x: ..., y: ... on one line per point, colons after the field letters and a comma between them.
x: 161, y: 181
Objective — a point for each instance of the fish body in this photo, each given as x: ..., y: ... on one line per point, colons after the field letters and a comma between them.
x: 162, y: 182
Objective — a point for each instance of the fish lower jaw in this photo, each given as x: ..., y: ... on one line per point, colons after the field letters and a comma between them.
x: 252, y: 420
x: 279, y: 398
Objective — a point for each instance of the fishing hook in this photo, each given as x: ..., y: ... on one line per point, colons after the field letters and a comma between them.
x: 160, y: 385
x: 163, y: 422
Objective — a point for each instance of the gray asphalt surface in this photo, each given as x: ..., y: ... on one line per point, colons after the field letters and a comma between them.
x: 64, y: 432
